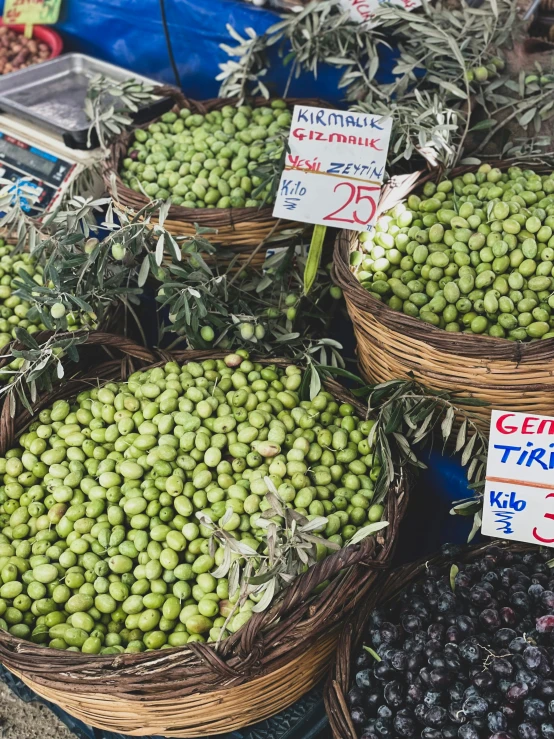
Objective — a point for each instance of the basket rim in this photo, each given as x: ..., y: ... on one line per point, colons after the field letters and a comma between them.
x: 477, y: 346
x: 217, y: 217
x: 241, y: 656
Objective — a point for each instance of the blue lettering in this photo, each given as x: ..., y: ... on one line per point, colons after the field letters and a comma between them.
x: 505, y: 521
x: 507, y: 450
x: 291, y: 203
x: 303, y: 116
x: 336, y: 119
x: 536, y: 456
x: 319, y: 118
x: 285, y: 184
x: 524, y: 454
x: 517, y: 505
x: 504, y: 501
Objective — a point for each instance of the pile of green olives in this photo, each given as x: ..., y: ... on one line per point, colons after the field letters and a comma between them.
x: 101, y: 550
x: 473, y: 254
x: 207, y: 161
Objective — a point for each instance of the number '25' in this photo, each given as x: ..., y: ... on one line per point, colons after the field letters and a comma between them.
x: 358, y: 195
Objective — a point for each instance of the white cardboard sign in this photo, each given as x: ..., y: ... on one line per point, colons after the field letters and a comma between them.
x: 519, y: 491
x: 364, y: 10
x: 335, y: 168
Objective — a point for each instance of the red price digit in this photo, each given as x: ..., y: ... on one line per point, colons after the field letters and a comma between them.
x: 536, y: 531
x: 357, y: 195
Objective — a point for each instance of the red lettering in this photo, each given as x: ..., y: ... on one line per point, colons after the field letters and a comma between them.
x: 505, y: 429
x: 541, y: 538
x: 371, y: 203
x: 363, y: 8
x: 525, y: 428
x: 357, y: 195
x: 332, y: 216
x: 298, y: 133
x: 543, y: 424
x: 550, y: 516
x: 297, y: 163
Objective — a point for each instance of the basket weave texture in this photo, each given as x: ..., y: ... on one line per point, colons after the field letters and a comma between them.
x: 387, y: 588
x: 510, y: 375
x: 238, y: 229
x: 195, y: 690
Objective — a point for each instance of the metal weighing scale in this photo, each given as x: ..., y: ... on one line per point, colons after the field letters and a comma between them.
x: 44, y: 129
x: 40, y: 160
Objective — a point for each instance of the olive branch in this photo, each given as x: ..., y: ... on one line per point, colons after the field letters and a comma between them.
x: 408, y: 414
x: 448, y: 63
x: 288, y: 548
x: 108, y: 105
x: 84, y: 279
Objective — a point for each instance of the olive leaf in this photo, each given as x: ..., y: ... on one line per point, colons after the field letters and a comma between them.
x: 108, y: 104
x: 366, y: 531
x: 85, y: 277
x: 461, y: 438
x: 286, y: 549
x: 373, y: 653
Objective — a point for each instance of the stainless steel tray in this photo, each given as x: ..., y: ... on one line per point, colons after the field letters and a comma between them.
x: 52, y: 95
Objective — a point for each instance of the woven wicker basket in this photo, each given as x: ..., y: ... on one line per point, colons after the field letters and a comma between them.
x: 387, y: 588
x: 195, y: 690
x: 505, y: 374
x: 237, y: 229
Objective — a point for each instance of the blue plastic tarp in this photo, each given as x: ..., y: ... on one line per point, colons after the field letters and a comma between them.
x: 130, y: 33
x: 428, y: 523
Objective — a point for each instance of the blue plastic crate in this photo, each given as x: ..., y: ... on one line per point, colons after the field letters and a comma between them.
x: 305, y: 719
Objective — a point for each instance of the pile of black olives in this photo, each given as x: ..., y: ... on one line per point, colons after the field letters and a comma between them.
x: 462, y: 653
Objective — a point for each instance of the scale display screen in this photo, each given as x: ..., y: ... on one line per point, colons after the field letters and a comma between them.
x: 32, y: 160
x: 43, y: 171
x: 27, y: 158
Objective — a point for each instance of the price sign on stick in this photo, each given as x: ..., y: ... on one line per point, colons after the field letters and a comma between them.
x: 31, y: 12
x: 519, y: 490
x: 364, y: 10
x: 335, y: 168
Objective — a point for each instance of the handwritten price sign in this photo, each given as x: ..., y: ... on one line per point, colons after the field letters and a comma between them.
x: 364, y: 10
x: 31, y: 12
x: 519, y: 491
x: 335, y: 168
